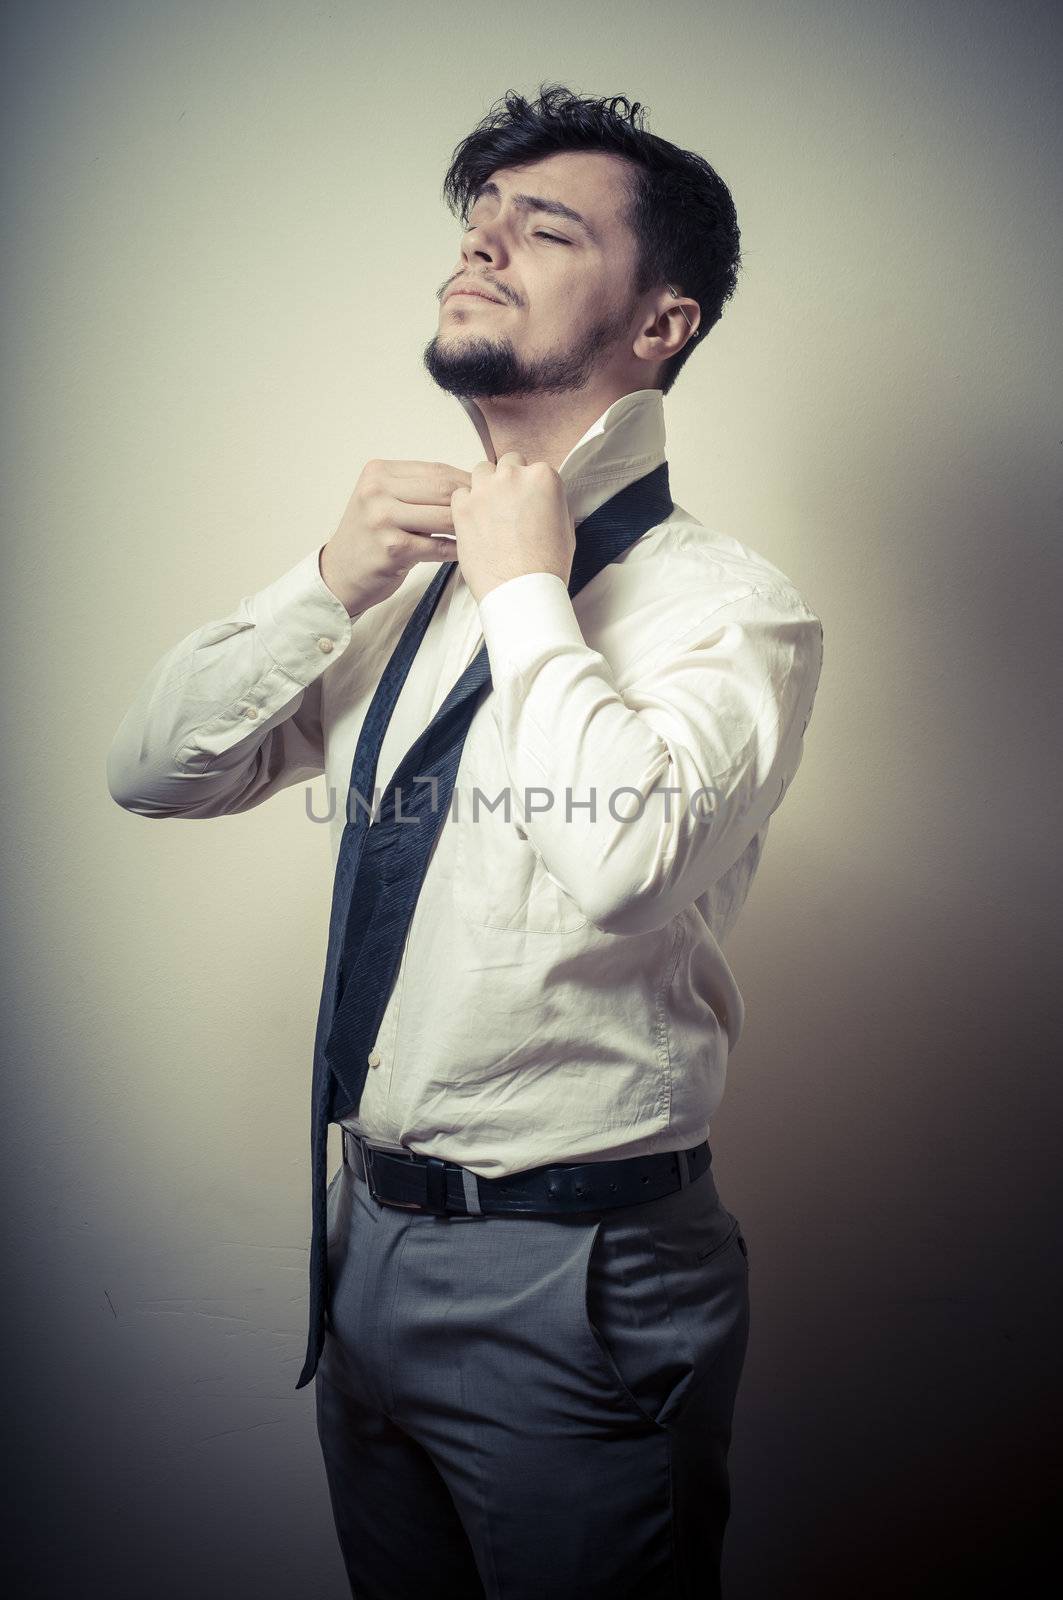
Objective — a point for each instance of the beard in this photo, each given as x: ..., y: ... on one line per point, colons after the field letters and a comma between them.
x: 479, y: 367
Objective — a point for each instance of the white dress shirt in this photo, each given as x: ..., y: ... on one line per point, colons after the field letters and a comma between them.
x: 562, y: 993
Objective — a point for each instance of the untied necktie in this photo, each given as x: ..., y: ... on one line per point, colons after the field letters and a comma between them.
x: 381, y: 864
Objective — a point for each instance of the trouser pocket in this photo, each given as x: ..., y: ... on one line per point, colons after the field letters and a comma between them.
x: 665, y: 1295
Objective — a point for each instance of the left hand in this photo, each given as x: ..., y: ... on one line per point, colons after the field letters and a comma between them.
x: 513, y: 519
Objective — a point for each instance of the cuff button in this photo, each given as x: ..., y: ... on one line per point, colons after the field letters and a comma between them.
x: 325, y: 646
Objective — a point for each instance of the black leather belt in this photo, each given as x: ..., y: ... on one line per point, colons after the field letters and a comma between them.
x: 427, y: 1183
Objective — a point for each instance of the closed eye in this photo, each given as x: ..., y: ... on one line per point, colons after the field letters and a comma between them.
x: 553, y: 237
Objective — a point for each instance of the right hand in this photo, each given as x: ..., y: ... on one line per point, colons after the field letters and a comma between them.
x: 393, y: 519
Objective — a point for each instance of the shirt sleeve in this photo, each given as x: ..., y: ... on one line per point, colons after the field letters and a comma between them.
x: 232, y: 713
x: 638, y: 802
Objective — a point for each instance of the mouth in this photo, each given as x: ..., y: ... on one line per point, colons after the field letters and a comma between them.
x: 472, y: 294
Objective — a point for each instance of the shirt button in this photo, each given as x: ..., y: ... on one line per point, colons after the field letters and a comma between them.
x: 374, y: 1059
x: 250, y: 711
x: 324, y: 645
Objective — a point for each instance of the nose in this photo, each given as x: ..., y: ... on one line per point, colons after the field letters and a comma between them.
x: 477, y: 243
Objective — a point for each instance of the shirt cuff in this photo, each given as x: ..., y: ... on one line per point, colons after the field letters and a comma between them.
x: 525, y: 620
x: 302, y: 623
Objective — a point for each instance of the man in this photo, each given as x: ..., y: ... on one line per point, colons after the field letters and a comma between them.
x: 529, y: 1303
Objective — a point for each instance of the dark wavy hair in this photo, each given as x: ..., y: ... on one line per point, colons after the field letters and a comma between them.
x: 680, y: 210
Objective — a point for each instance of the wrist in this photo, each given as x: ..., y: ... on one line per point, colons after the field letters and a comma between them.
x: 350, y: 602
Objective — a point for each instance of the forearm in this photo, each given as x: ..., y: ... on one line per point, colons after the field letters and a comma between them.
x: 232, y: 713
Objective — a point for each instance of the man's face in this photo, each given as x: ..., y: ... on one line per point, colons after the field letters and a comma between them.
x: 562, y: 304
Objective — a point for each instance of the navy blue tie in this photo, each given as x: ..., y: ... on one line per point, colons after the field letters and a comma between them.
x: 382, y: 864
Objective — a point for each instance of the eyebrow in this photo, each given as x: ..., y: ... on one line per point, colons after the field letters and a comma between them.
x: 536, y: 202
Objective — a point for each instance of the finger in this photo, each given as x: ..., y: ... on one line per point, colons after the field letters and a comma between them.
x: 421, y: 518
x: 423, y: 482
x: 426, y: 548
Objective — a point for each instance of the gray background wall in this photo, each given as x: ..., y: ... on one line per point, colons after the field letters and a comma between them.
x: 222, y: 237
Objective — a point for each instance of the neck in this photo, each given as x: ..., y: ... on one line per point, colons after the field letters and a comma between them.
x: 543, y: 427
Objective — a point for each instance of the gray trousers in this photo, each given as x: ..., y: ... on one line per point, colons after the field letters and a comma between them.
x: 514, y: 1407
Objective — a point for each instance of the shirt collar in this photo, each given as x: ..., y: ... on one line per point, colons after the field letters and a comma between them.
x: 623, y: 444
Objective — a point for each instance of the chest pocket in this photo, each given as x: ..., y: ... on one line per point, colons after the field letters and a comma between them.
x: 499, y: 879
